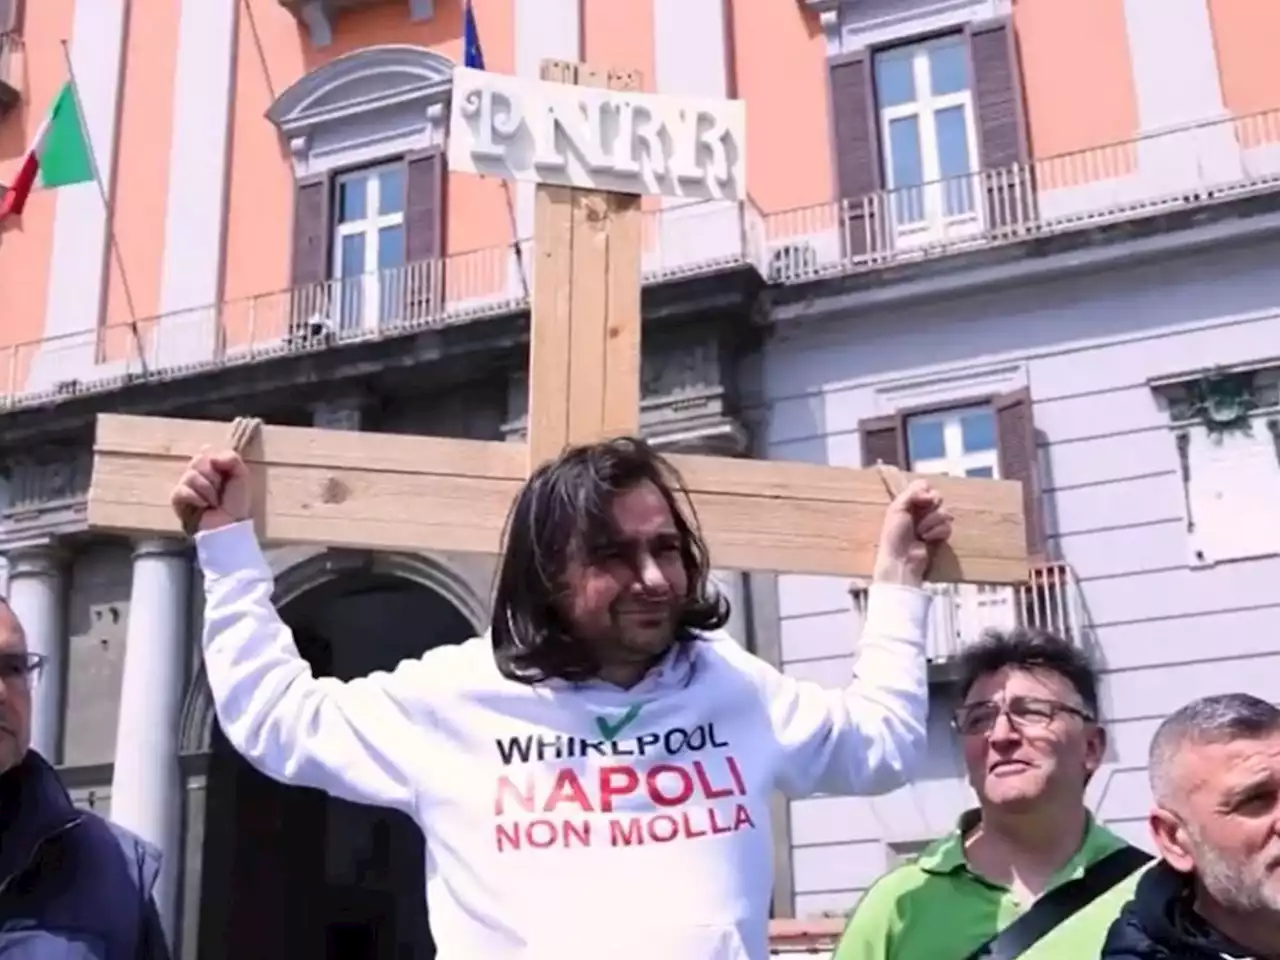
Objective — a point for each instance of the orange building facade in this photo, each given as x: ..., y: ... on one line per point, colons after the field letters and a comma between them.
x: 273, y: 229
x: 230, y: 143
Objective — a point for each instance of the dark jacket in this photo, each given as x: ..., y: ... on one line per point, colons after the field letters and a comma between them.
x: 72, y: 885
x: 1160, y: 924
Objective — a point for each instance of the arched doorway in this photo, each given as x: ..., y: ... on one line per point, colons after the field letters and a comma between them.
x: 292, y: 872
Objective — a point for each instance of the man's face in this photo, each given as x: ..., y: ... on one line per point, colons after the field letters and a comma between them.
x: 1038, y: 747
x: 1226, y: 827
x: 626, y: 593
x: 15, y: 691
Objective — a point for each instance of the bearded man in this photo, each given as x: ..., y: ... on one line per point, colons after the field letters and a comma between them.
x: 592, y: 775
x: 1215, y: 778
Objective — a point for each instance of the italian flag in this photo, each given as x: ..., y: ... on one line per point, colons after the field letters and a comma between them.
x: 58, y: 155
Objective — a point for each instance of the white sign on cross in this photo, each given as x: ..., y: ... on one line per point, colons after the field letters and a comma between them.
x: 593, y: 143
x: 617, y: 141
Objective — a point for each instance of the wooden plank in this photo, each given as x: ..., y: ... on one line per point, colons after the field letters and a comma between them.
x: 623, y: 320
x: 551, y: 307
x: 177, y: 441
x: 550, y: 329
x: 584, y: 347
x: 589, y: 300
x: 390, y: 492
x: 321, y: 505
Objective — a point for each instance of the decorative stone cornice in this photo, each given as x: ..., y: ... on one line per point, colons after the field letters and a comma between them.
x: 317, y: 16
x: 42, y: 495
x: 364, y: 105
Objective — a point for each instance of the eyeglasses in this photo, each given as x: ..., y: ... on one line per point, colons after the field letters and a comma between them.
x: 1022, y: 712
x: 22, y: 668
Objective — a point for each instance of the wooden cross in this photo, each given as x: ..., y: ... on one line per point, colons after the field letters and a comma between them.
x: 392, y: 492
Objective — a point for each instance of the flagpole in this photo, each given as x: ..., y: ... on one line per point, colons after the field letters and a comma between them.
x: 473, y: 57
x: 106, y: 209
x: 515, y: 234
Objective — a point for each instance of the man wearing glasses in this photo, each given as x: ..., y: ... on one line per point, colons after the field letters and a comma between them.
x: 1029, y: 873
x: 72, y: 885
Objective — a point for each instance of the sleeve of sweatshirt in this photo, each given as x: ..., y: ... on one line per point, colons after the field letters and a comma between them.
x: 355, y: 740
x: 866, y: 738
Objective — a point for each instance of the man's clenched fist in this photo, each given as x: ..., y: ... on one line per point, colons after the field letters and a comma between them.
x: 914, y: 525
x: 212, y: 492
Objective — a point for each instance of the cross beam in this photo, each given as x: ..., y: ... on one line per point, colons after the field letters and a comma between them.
x: 394, y: 492
x: 391, y: 492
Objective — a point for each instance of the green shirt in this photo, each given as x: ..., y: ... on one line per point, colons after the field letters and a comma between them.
x: 936, y: 908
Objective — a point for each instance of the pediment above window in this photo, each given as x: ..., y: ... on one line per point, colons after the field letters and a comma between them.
x: 365, y: 104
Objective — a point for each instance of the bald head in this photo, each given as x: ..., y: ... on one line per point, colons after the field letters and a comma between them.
x: 16, y: 670
x: 1217, y: 720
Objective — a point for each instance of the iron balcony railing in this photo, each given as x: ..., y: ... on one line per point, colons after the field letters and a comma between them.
x: 1174, y: 169
x: 1189, y: 167
x: 677, y: 241
x: 1050, y: 600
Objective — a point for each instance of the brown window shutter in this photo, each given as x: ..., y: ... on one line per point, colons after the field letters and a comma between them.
x: 311, y: 230
x: 1019, y: 460
x: 1001, y: 121
x: 11, y: 16
x: 312, y: 233
x: 424, y: 206
x: 857, y: 146
x: 424, y: 234
x: 882, y: 441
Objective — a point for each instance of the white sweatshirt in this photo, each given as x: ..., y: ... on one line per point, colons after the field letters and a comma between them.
x: 567, y: 821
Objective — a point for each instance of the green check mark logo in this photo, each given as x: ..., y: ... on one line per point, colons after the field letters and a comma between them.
x: 610, y: 731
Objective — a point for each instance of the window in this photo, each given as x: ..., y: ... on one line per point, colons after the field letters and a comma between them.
x: 927, y: 135
x: 992, y: 438
x: 369, y: 243
x: 365, y: 134
x: 959, y: 442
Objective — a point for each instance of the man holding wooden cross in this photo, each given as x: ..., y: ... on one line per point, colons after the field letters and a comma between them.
x: 592, y: 775
x: 604, y: 753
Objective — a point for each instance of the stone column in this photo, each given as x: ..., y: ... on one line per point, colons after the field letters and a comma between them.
x: 146, y: 785
x: 37, y: 594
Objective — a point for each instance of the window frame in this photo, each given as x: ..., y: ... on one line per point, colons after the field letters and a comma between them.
x: 950, y: 417
x: 1035, y: 508
x: 370, y: 225
x: 925, y: 107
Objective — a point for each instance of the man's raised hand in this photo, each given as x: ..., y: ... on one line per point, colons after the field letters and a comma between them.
x: 914, y: 525
x: 212, y: 492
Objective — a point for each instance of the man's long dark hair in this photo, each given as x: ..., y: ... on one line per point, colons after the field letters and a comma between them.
x: 567, y: 502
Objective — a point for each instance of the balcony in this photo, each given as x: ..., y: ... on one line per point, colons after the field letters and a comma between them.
x: 1192, y: 168
x: 11, y: 71
x: 677, y: 243
x: 1185, y: 168
x: 317, y: 16
x: 1049, y: 600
